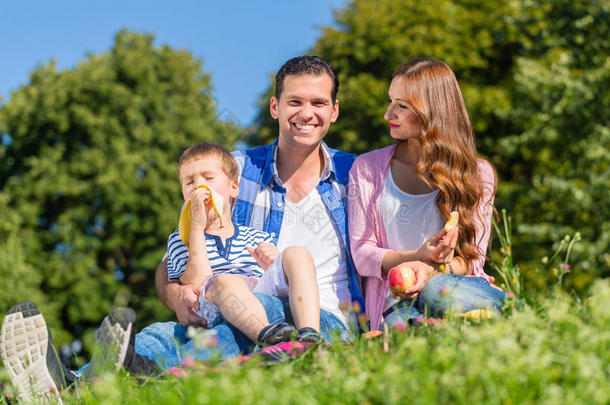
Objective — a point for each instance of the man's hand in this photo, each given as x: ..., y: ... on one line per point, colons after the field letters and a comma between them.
x: 422, y: 275
x: 264, y: 254
x: 439, y: 248
x: 184, y: 300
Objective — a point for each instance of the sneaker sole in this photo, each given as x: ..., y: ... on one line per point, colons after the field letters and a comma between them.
x: 24, y: 347
x: 112, y: 341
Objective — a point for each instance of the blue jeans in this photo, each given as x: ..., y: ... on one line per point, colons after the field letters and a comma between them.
x: 167, y: 344
x: 460, y: 294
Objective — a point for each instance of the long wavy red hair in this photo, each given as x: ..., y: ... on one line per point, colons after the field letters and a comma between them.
x: 449, y: 157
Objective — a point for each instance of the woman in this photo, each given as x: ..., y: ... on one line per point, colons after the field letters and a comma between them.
x: 400, y: 196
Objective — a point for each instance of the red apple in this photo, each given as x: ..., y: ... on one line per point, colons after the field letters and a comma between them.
x: 401, y: 278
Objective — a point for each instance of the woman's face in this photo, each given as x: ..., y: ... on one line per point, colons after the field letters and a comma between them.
x: 404, y: 123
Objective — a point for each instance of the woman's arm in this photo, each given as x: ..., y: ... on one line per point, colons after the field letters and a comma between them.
x: 366, y: 248
x: 439, y: 248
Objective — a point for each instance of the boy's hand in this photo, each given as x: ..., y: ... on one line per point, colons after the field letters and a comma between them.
x: 264, y: 254
x: 198, y: 210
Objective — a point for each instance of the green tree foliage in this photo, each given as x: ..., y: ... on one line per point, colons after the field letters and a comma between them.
x: 557, y: 166
x: 88, y: 177
x: 535, y: 78
x: 374, y: 37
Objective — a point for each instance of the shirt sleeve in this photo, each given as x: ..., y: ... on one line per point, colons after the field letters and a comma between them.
x: 367, y: 252
x: 268, y: 239
x: 482, y: 220
x: 177, y: 256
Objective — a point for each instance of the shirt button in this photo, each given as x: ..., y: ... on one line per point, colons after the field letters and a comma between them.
x: 279, y: 204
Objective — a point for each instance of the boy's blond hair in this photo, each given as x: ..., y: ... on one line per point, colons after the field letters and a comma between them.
x: 204, y: 149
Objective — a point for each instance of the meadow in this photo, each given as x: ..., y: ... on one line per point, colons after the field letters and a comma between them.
x: 550, y: 347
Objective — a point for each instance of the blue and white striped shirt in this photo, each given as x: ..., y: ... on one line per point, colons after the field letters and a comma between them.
x: 232, y: 257
x: 260, y: 203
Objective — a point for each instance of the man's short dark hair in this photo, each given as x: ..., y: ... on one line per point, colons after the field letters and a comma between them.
x: 306, y: 65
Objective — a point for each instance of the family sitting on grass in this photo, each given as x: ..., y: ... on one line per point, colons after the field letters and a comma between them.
x: 281, y: 235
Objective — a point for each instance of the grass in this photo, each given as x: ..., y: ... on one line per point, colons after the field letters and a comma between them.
x: 555, y: 349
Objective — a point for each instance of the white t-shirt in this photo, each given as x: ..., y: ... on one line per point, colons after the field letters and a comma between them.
x: 307, y: 223
x: 409, y: 219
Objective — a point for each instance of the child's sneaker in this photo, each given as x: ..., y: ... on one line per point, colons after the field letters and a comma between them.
x: 28, y: 354
x: 277, y: 333
x: 310, y: 335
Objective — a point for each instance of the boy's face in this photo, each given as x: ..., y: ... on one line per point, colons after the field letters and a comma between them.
x: 207, y: 170
x: 305, y: 109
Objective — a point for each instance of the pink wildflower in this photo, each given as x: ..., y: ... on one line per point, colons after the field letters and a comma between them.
x: 188, y: 362
x: 510, y: 295
x: 400, y: 326
x: 9, y: 394
x: 443, y: 290
x: 565, y: 267
x: 431, y: 321
x: 176, y: 372
x: 213, y: 341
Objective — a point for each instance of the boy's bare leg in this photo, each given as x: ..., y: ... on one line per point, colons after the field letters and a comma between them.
x: 238, y: 305
x: 300, y: 273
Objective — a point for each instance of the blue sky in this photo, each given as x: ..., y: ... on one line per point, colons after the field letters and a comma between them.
x: 241, y: 43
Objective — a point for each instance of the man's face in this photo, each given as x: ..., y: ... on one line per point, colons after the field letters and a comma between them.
x: 305, y: 110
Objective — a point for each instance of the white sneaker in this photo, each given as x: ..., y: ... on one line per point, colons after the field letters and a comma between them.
x: 28, y: 354
x: 111, y: 342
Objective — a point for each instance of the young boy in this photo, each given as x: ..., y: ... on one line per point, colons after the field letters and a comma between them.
x: 226, y: 263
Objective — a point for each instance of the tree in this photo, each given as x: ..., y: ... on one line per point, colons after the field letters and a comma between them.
x: 88, y: 174
x: 374, y: 37
x: 559, y: 173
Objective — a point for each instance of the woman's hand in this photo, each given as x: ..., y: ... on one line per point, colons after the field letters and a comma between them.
x: 423, y: 272
x: 440, y: 248
x: 264, y: 254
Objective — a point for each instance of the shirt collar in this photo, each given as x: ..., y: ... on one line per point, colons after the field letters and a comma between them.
x: 270, y: 170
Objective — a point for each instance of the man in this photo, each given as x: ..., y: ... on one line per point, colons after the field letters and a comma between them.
x: 294, y: 189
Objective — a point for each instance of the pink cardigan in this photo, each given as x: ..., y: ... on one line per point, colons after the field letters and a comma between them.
x: 367, y: 234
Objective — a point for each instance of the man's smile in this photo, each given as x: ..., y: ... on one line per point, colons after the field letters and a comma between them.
x: 304, y: 127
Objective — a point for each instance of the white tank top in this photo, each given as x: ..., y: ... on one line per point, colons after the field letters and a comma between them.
x: 409, y: 219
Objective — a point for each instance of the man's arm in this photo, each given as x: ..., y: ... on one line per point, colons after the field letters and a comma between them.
x: 176, y: 297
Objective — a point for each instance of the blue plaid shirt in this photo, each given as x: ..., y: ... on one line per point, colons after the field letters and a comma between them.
x: 260, y: 204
